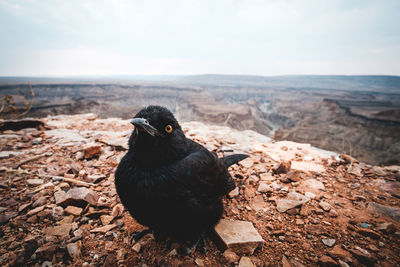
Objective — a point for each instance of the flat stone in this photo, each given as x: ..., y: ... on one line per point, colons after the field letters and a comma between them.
x: 368, y: 232
x: 247, y: 163
x: 6, y: 216
x: 325, y: 205
x: 283, y: 167
x: 388, y: 211
x: 338, y: 252
x: 74, y: 250
x: 234, y: 192
x: 311, y: 185
x: 387, y: 227
x: 118, y: 210
x: 307, y: 166
x: 118, y: 142
x: 230, y: 256
x: 59, y: 230
x: 7, y: 154
x: 328, y: 242
x: 240, y: 236
x: 78, y: 196
x: 94, y: 178
x: 34, y: 211
x: 363, y: 256
x: 34, y: 182
x: 91, y: 150
x: 46, y: 250
x: 285, y: 262
x: 199, y: 262
x: 246, y: 262
x: 103, y: 229
x: 293, y: 200
x: 267, y: 177
x: 264, y: 188
x: 326, y: 261
x: 136, y: 247
x: 294, y: 176
x: 73, y: 210
x: 106, y: 219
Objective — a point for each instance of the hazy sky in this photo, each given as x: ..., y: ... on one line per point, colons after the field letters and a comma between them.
x: 195, y: 37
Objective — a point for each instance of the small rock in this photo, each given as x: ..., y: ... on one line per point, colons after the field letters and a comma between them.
x: 117, y: 211
x: 310, y: 195
x: 64, y: 186
x: 329, y: 242
x: 106, y: 219
x: 73, y: 210
x: 34, y: 182
x: 79, y: 155
x: 57, y: 212
x: 343, y: 264
x: 325, y: 205
x: 6, y: 216
x: 369, y: 233
x: 91, y: 150
x: 333, y: 213
x: 240, y: 236
x: 267, y: 177
x: 283, y: 167
x: 103, y: 229
x: 364, y: 225
x: 46, y: 251
x: 95, y: 178
x: 234, y: 192
x: 293, y: 200
x: 285, y: 262
x: 136, y: 247
x: 121, y: 254
x: 74, y: 250
x: 388, y: 211
x: 311, y: 185
x: 338, y: 252
x: 110, y: 261
x: 299, y: 222
x: 294, y: 176
x: 39, y: 202
x: 230, y: 256
x: 326, y: 261
x: 388, y: 228
x: 78, y: 196
x: 246, y: 163
x: 264, y: 188
x: 60, y: 230
x: 363, y: 256
x: 199, y: 262
x: 246, y: 262
x: 34, y: 211
x: 173, y: 253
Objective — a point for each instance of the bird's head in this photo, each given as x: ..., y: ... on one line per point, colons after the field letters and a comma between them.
x: 157, y: 133
x: 155, y: 121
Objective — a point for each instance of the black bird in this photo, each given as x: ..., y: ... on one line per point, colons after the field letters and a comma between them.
x: 170, y: 183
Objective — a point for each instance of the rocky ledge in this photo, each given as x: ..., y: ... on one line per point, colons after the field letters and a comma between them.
x: 294, y: 205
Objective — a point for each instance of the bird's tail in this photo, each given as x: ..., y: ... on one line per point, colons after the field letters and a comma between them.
x: 233, y: 159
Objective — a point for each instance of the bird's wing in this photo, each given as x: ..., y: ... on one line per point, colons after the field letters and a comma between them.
x: 204, y: 173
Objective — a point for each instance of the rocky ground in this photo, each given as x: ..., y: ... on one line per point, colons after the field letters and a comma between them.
x: 294, y: 205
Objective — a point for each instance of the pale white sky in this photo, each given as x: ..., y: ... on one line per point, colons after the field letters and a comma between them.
x: 77, y: 37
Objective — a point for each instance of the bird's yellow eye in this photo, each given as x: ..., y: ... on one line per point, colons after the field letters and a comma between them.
x: 168, y: 128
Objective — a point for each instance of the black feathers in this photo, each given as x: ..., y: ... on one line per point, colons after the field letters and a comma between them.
x: 170, y: 183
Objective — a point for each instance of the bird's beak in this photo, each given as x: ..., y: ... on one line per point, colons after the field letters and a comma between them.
x: 143, y: 124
